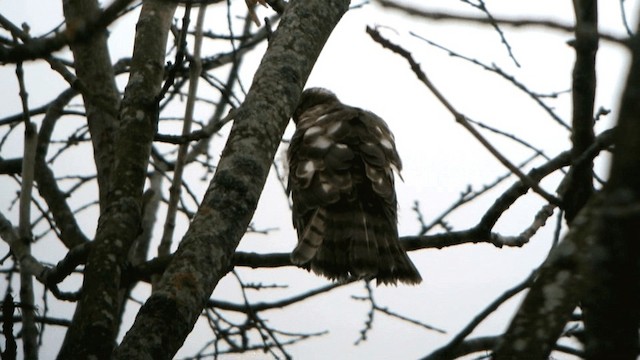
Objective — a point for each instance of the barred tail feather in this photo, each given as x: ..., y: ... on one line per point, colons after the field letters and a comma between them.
x: 399, y: 268
x: 363, y: 249
x: 332, y: 258
x: 392, y: 262
x: 363, y: 244
x: 311, y: 239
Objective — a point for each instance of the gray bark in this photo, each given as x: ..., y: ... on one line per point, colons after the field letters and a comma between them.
x: 205, y: 253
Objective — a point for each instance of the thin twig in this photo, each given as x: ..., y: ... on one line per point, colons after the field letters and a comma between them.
x: 176, y: 185
x: 459, y: 117
x: 516, y: 22
x: 445, y: 351
x: 495, y: 69
x: 465, y: 197
x: 483, y: 7
x: 625, y: 20
x: 39, y: 48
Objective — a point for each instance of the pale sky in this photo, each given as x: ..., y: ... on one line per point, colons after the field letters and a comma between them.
x: 440, y: 161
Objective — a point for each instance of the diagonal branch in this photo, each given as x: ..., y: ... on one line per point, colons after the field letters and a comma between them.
x: 76, y: 32
x: 176, y: 183
x: 548, y: 306
x: 459, y: 117
x: 483, y: 7
x: 536, y: 97
x: 451, y: 348
x: 517, y: 22
x: 70, y: 233
x: 205, y: 253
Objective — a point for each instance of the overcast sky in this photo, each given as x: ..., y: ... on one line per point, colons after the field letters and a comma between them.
x: 440, y: 160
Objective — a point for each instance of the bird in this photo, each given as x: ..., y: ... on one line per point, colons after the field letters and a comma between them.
x: 341, y: 162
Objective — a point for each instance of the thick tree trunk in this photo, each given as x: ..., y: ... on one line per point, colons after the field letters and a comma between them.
x: 612, y: 314
x: 598, y: 262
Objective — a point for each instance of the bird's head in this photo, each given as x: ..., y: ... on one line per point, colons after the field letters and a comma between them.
x: 313, y: 97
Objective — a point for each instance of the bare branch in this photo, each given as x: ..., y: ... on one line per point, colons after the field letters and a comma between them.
x: 28, y: 264
x: 71, y: 235
x: 375, y: 307
x: 556, y: 292
x: 522, y: 22
x: 580, y: 185
x: 194, y: 75
x: 483, y: 7
x: 97, y: 84
x: 29, y: 328
x: 625, y: 21
x: 459, y: 117
x: 450, y: 349
x: 538, y: 98
x: 75, y: 32
x: 232, y: 196
x: 93, y: 332
x: 262, y: 306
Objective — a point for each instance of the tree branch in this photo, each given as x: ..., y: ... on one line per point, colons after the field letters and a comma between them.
x: 93, y: 331
x: 611, y: 314
x: 70, y: 233
x: 29, y: 329
x: 554, y: 295
x: 96, y: 78
x: 459, y: 117
x: 75, y: 32
x: 580, y: 186
x: 176, y: 183
x: 205, y: 252
x: 521, y: 22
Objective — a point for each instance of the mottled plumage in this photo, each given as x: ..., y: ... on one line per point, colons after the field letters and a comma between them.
x: 341, y: 163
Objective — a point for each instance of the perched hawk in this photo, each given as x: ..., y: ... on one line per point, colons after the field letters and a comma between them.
x: 341, y: 162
